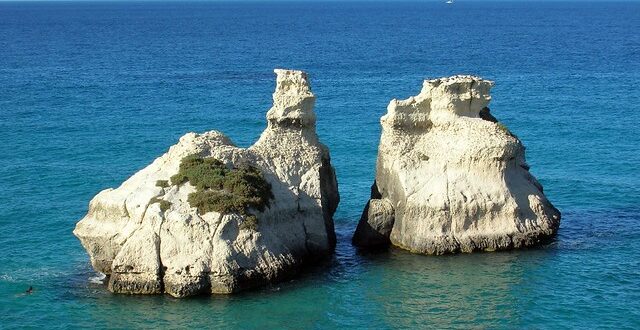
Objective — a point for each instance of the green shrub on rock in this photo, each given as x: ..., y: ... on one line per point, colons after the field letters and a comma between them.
x: 224, y: 190
x: 164, y: 205
x: 250, y: 223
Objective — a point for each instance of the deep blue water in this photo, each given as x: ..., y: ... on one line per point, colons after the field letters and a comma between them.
x: 92, y: 92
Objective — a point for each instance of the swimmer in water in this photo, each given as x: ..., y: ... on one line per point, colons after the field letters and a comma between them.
x: 29, y: 290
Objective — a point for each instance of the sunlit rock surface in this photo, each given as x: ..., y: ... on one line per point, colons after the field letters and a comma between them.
x: 451, y: 178
x: 145, y: 249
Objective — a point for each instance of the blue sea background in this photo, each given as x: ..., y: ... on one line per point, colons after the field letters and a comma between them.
x: 91, y: 92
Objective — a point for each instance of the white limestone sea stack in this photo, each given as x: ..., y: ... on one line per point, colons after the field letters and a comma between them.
x: 148, y: 239
x: 450, y: 178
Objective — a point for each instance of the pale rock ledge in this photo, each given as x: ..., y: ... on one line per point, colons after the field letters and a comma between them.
x: 450, y: 178
x: 146, y: 250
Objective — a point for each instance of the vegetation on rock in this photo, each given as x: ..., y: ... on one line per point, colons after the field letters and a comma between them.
x: 224, y: 190
x: 164, y: 205
x: 485, y: 114
x: 505, y: 129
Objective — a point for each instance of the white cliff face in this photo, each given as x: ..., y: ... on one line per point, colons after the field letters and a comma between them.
x: 449, y: 178
x: 146, y: 249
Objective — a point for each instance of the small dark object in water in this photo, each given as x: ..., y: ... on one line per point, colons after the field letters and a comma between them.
x: 29, y: 290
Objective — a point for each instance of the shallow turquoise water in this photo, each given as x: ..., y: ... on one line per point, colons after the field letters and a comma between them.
x: 92, y: 92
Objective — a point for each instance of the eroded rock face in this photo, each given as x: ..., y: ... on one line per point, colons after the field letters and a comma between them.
x: 456, y: 179
x: 145, y: 249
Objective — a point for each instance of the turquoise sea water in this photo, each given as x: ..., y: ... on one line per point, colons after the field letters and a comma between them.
x: 92, y: 92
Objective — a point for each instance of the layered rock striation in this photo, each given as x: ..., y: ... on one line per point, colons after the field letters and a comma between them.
x: 148, y: 238
x: 451, y: 178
